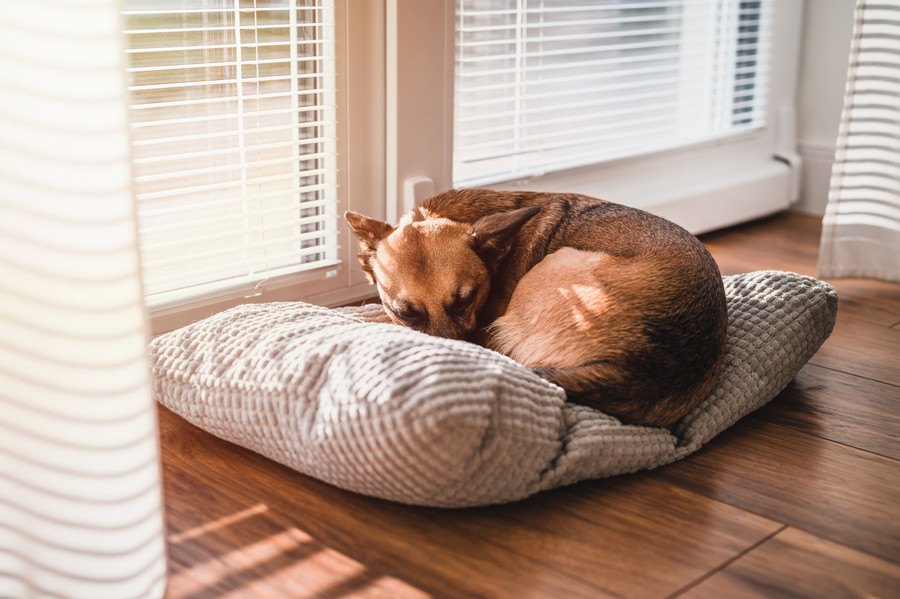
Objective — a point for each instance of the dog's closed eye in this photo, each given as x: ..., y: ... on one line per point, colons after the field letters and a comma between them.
x: 409, y: 315
x: 462, y: 301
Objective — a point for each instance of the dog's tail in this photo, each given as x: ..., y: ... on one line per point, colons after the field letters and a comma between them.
x: 604, y: 385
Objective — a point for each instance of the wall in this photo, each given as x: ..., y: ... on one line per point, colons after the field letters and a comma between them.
x: 825, y: 48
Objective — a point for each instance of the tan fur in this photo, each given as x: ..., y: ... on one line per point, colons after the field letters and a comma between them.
x: 573, y: 300
x: 624, y: 310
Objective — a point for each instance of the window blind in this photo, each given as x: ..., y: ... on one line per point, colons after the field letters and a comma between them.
x: 232, y: 114
x: 546, y: 85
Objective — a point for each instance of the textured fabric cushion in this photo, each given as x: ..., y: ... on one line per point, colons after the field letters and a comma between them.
x: 390, y: 412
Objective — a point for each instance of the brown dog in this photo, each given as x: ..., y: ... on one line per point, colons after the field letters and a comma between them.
x: 622, y: 309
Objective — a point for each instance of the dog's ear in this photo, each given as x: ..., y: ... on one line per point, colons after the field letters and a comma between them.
x: 368, y: 230
x: 493, y: 234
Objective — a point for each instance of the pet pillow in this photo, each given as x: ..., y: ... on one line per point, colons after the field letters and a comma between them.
x: 390, y: 412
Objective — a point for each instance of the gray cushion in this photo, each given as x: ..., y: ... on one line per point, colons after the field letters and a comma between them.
x: 390, y: 412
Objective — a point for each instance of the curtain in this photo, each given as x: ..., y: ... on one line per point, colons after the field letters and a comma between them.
x: 861, y: 228
x: 80, y: 502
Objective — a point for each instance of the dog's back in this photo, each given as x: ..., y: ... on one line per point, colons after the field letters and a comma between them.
x: 624, y: 310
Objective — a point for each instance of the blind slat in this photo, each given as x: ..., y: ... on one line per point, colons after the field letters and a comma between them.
x: 218, y: 152
x: 187, y: 191
x: 206, y: 102
x: 249, y: 214
x: 213, y: 29
x: 228, y: 132
x: 584, y: 64
x: 227, y: 168
x: 251, y: 113
x: 467, y: 10
x: 668, y: 80
x: 243, y: 246
x: 204, y: 83
x: 543, y: 39
x: 225, y: 270
x: 208, y: 47
x: 186, y: 11
x: 212, y: 65
x: 218, y: 204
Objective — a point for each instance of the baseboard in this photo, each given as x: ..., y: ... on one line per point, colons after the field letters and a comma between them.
x: 760, y: 190
x: 816, y: 177
x: 701, y: 189
x: 698, y: 196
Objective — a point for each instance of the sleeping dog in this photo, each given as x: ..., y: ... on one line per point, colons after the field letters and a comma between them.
x: 622, y: 309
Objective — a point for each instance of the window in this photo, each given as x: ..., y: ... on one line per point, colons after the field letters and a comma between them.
x: 589, y: 96
x: 543, y: 86
x: 256, y: 123
x: 232, y: 110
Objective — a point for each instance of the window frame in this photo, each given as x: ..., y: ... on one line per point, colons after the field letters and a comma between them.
x: 758, y: 171
x: 360, y: 93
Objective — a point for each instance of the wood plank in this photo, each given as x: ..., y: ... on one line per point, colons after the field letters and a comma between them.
x: 862, y: 349
x: 796, y: 564
x: 787, y: 235
x: 862, y: 342
x: 834, y: 491
x: 632, y: 535
x: 250, y: 553
x: 412, y: 545
x: 876, y: 302
x: 790, y: 242
x: 636, y: 535
x: 839, y: 407
x: 777, y: 239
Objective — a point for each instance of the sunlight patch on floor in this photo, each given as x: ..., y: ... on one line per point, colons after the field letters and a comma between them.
x: 290, y: 563
x: 209, y: 527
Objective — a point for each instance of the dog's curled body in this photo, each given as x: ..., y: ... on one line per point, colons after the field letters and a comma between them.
x: 624, y: 310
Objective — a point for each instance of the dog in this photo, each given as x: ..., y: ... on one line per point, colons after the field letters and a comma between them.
x: 622, y: 309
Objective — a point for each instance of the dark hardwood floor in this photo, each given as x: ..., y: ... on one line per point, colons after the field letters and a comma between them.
x: 800, y: 499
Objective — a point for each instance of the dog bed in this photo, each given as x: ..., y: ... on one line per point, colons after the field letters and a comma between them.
x: 393, y: 413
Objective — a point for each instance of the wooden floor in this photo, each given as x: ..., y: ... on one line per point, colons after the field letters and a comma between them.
x: 801, y: 498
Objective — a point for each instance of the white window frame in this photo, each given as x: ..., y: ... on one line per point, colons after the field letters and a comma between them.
x: 702, y: 187
x: 359, y: 56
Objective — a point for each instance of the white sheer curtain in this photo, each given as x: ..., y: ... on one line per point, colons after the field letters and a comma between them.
x: 80, y: 503
x: 861, y: 229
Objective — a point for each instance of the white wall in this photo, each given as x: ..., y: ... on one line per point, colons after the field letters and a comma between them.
x: 825, y: 48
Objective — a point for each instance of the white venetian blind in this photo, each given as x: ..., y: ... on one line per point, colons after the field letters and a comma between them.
x: 545, y: 85
x: 232, y: 113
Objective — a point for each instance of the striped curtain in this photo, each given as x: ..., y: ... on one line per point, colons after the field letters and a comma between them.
x: 80, y: 503
x: 861, y: 229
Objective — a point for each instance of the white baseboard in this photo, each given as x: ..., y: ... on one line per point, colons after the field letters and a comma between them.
x: 699, y: 190
x: 761, y: 189
x: 816, y: 177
